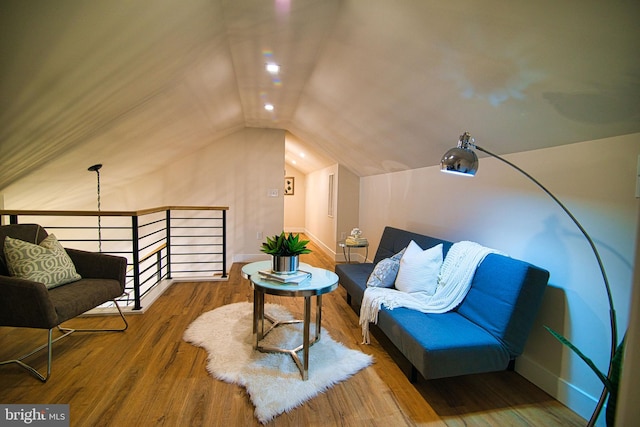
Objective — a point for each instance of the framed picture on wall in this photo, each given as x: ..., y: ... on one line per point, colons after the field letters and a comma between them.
x: 289, y: 185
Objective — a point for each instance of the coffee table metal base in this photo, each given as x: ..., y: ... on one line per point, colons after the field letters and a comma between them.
x: 259, y: 332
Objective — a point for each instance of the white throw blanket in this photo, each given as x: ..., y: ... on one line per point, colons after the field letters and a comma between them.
x: 454, y: 281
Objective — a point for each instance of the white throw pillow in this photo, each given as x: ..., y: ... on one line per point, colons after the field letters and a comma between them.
x: 385, y: 272
x: 419, y: 269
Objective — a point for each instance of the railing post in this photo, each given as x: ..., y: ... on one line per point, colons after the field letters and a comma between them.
x: 13, y: 219
x: 224, y: 243
x: 136, y: 263
x: 159, y: 266
x: 168, y: 220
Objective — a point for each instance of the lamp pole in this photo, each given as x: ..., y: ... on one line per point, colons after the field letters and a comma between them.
x: 464, y: 161
x: 96, y: 169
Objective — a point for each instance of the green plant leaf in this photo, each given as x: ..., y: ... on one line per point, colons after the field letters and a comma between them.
x: 589, y: 362
x: 285, y: 245
x: 616, y: 372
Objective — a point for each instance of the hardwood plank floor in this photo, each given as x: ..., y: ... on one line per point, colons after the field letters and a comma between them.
x: 149, y: 376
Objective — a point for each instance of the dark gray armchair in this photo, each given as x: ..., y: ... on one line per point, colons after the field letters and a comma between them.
x: 29, y: 304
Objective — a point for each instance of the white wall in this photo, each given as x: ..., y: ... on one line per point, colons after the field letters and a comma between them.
x: 236, y: 171
x: 628, y: 411
x: 319, y: 224
x: 294, y: 205
x: 348, y: 211
x: 327, y: 229
x: 500, y: 208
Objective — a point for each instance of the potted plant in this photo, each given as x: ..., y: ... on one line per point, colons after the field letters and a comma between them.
x: 285, y: 250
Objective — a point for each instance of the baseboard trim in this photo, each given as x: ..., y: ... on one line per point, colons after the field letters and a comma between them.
x: 569, y: 395
x: 244, y: 258
x: 150, y: 297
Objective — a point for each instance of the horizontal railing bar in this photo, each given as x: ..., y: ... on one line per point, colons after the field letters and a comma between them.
x: 209, y: 221
x: 198, y: 271
x: 197, y: 217
x: 152, y: 233
x: 146, y: 224
x: 149, y: 268
x: 185, y: 245
x: 199, y: 227
x: 199, y: 235
x: 112, y: 213
x: 152, y: 253
x: 94, y: 227
x: 150, y: 244
x: 184, y: 239
x: 94, y: 240
x: 198, y: 262
x: 195, y: 253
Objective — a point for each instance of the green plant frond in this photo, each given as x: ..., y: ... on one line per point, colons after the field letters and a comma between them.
x: 607, y: 383
x: 271, y: 245
x: 616, y: 374
x: 285, y: 245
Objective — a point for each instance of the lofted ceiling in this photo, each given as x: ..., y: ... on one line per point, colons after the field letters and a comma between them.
x: 376, y: 85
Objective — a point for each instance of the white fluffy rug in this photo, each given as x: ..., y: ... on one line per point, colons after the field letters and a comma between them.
x: 272, y: 380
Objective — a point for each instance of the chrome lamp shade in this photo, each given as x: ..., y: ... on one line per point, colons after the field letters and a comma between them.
x: 461, y: 159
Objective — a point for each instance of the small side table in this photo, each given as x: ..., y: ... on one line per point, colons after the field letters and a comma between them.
x: 346, y: 249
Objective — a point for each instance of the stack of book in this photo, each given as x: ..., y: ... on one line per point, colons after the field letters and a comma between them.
x: 355, y: 241
x: 291, y: 279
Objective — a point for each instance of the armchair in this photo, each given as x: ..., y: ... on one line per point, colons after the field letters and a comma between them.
x: 31, y: 304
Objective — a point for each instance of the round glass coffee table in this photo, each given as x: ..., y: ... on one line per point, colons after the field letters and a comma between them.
x: 321, y: 282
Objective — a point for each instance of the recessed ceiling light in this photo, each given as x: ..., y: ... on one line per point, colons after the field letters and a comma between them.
x: 272, y: 68
x: 268, y: 107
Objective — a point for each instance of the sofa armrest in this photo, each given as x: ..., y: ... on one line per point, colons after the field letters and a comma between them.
x: 94, y: 265
x: 24, y: 303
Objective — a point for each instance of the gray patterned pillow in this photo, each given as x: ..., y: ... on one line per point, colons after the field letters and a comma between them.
x: 46, y: 263
x: 385, y: 272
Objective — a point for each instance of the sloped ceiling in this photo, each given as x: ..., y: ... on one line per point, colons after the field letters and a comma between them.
x: 376, y: 85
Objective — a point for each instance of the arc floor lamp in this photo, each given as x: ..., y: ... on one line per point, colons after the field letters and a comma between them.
x: 464, y: 161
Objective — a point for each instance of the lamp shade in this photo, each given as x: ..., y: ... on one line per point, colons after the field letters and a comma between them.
x: 460, y: 160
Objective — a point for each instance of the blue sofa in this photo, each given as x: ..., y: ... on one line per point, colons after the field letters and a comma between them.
x: 484, y: 334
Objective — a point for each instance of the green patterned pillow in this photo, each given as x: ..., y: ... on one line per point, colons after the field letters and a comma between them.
x: 46, y: 263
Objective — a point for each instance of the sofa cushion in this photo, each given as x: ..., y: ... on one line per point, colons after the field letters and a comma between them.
x: 46, y: 263
x: 385, y: 272
x: 419, y: 269
x: 83, y: 295
x: 513, y: 289
x: 353, y: 277
x: 394, y: 239
x: 442, y: 345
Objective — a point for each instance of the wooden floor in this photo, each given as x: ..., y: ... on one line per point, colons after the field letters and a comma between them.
x: 149, y: 376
